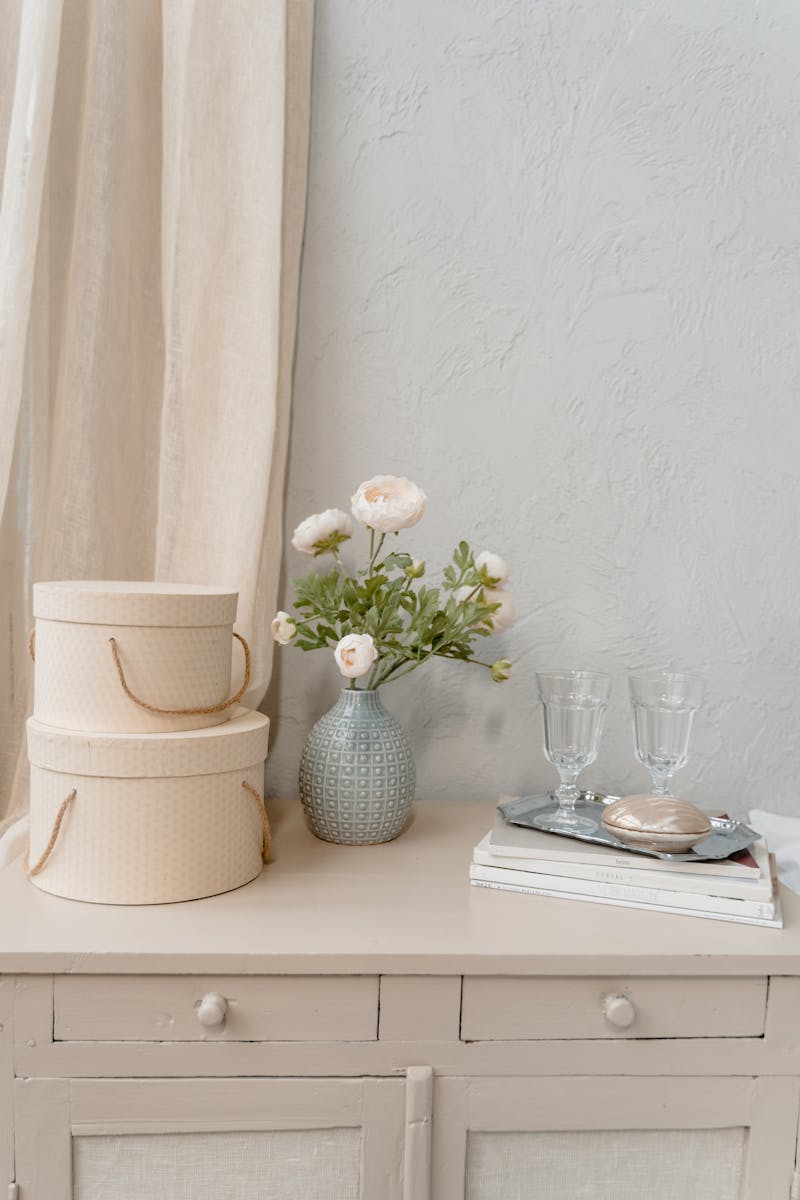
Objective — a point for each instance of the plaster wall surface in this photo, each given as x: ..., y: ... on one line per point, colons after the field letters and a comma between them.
x: 551, y: 273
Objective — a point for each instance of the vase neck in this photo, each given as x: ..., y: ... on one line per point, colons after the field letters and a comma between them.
x: 362, y: 699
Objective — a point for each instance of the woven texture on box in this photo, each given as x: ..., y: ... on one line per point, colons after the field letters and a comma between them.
x: 147, y: 841
x: 114, y: 602
x: 77, y: 685
x: 240, y: 741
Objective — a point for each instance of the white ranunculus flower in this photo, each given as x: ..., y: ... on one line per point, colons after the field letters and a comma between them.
x: 503, y: 617
x: 283, y: 628
x: 388, y: 503
x: 322, y: 531
x: 355, y: 654
x: 495, y: 567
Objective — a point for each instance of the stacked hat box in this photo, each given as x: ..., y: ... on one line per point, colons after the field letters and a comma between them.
x: 146, y: 774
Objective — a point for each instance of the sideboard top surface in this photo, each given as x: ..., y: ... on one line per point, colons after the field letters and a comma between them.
x: 403, y: 908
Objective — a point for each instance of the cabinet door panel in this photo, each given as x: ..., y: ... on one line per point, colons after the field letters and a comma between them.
x: 674, y: 1164
x: 248, y: 1139
x: 317, y: 1164
x: 620, y: 1138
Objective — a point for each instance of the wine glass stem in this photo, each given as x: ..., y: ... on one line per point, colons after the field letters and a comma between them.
x: 661, y: 781
x: 567, y: 793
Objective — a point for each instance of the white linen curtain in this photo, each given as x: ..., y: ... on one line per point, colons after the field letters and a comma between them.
x: 154, y: 164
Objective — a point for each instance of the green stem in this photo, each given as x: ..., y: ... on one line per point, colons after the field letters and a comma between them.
x: 374, y: 550
x: 419, y: 657
x: 478, y: 662
x: 418, y: 660
x: 374, y: 675
x: 306, y: 621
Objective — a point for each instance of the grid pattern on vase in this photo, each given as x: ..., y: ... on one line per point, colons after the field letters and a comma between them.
x: 357, y: 773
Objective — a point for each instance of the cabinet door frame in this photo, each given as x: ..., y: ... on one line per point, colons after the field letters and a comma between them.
x: 767, y: 1107
x: 50, y: 1112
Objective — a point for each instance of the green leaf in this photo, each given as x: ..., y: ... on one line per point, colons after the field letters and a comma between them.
x: 396, y: 561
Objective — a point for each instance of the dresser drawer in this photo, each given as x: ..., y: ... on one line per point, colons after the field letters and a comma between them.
x: 509, y: 1009
x: 189, y: 1008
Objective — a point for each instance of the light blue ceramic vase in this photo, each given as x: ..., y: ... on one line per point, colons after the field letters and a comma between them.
x: 357, y: 772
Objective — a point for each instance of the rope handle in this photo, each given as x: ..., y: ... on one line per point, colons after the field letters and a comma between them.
x: 182, y: 712
x: 48, y: 850
x: 62, y: 812
x: 262, y: 812
x: 165, y: 712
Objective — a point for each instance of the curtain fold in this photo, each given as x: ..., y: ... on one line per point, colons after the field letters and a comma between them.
x: 27, y: 124
x: 153, y: 200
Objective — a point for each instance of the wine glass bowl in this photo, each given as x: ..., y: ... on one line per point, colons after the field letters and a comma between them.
x: 664, y: 704
x: 574, y: 704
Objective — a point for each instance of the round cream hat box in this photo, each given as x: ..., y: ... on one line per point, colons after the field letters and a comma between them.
x: 122, y: 657
x: 147, y: 819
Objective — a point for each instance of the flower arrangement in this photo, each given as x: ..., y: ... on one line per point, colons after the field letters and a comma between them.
x: 382, y: 622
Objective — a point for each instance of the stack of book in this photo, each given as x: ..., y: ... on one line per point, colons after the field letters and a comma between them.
x: 740, y: 888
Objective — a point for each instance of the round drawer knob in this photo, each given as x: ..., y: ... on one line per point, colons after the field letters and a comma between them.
x: 212, y: 1009
x: 619, y: 1011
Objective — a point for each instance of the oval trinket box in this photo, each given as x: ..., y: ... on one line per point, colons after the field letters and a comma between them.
x: 657, y: 823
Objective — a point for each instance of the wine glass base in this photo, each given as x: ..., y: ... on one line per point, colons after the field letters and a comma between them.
x: 559, y: 822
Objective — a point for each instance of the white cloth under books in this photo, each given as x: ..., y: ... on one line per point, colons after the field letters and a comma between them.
x: 782, y: 835
x: 153, y: 163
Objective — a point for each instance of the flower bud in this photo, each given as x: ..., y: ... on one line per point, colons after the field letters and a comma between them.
x: 416, y: 570
x: 501, y: 670
x: 283, y: 629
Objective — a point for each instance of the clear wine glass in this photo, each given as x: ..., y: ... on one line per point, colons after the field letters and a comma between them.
x: 574, y: 708
x: 664, y: 704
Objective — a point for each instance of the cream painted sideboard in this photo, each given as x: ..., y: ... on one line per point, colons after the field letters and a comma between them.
x: 359, y: 1022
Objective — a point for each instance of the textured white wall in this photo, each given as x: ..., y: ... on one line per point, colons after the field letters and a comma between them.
x: 551, y: 273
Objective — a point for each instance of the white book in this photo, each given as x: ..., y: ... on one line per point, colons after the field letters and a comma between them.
x: 641, y: 897
x: 775, y: 922
x: 698, y: 881
x: 516, y: 841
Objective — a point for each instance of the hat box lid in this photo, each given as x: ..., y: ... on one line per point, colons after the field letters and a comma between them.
x: 128, y: 602
x: 240, y: 742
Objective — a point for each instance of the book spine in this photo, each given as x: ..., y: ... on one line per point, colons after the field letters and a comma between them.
x: 640, y: 896
x: 699, y: 882
x: 772, y: 923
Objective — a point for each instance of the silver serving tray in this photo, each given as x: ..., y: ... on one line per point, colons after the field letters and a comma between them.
x: 727, y: 836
